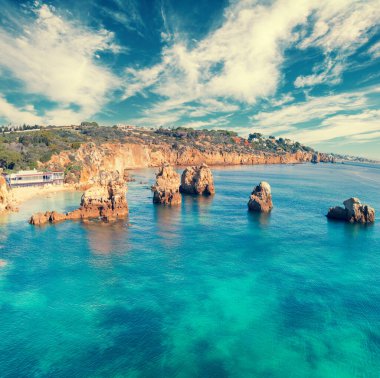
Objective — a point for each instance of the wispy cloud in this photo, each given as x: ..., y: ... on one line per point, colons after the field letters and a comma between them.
x: 242, y: 59
x: 340, y: 28
x: 56, y: 59
x: 334, y: 116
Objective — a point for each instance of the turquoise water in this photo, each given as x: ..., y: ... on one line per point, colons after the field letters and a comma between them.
x: 203, y: 290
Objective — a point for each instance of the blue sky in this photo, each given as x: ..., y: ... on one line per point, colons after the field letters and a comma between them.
x: 307, y: 70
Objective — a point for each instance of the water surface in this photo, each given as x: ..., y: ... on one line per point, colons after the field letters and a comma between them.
x: 205, y: 289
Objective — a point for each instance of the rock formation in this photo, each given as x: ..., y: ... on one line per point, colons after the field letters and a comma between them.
x: 166, y: 188
x: 105, y: 200
x: 90, y: 158
x: 261, y: 198
x: 354, y: 212
x: 316, y: 158
x: 6, y: 201
x: 197, y: 180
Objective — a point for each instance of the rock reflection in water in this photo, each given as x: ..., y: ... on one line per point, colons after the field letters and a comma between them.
x: 168, y: 222
x: 262, y: 220
x: 106, y: 238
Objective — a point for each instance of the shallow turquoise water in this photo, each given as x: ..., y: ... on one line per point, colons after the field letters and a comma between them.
x: 202, y: 290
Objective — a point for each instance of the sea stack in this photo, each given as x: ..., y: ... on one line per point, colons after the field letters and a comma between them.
x: 166, y: 188
x: 197, y: 180
x: 353, y: 212
x: 105, y: 200
x: 261, y: 198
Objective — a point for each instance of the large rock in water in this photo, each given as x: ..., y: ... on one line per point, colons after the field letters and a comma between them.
x: 197, y: 180
x: 354, y: 212
x: 166, y: 188
x: 261, y: 198
x: 105, y: 200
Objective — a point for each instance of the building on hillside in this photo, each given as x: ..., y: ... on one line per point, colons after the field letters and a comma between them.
x: 33, y: 178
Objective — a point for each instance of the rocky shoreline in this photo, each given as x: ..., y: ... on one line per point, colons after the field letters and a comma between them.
x: 90, y: 158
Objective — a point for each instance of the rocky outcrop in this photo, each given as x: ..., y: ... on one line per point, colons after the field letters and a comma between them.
x: 354, y: 212
x: 105, y: 200
x: 261, y: 198
x: 315, y: 158
x: 197, y: 180
x: 166, y: 188
x: 6, y: 201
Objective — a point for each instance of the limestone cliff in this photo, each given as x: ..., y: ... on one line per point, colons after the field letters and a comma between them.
x: 6, y: 201
x: 91, y: 158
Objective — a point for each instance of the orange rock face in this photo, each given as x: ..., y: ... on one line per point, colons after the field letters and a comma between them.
x: 6, y: 202
x: 353, y: 212
x: 121, y: 156
x: 166, y: 188
x: 261, y: 198
x: 106, y: 200
x: 197, y: 180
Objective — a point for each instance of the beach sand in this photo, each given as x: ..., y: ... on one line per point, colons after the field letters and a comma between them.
x: 20, y: 195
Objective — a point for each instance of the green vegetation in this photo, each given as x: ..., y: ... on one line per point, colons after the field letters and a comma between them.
x: 23, y: 149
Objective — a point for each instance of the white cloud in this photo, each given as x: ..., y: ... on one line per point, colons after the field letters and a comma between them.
x: 346, y: 115
x: 342, y: 126
x: 242, y: 60
x: 374, y: 50
x: 330, y: 73
x: 312, y: 109
x: 341, y: 27
x: 18, y: 116
x: 56, y: 58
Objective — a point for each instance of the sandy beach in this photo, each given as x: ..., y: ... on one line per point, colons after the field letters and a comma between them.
x: 20, y: 195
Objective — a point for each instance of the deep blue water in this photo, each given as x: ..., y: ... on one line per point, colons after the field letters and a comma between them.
x: 205, y: 289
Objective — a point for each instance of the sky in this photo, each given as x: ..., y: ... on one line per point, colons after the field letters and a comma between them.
x: 308, y: 70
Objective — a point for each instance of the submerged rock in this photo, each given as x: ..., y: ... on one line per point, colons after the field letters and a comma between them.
x: 354, y: 212
x: 261, y: 198
x: 197, y: 180
x: 166, y: 188
x: 106, y: 200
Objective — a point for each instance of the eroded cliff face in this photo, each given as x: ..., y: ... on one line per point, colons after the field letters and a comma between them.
x: 93, y: 158
x: 105, y: 200
x: 6, y: 200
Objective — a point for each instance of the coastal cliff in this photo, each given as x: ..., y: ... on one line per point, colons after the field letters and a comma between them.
x: 6, y: 200
x: 91, y: 158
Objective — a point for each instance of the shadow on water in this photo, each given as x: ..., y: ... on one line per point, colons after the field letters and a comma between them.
x: 351, y: 230
x: 261, y: 220
x: 104, y: 238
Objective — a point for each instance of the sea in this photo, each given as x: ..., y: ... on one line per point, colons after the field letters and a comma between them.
x: 204, y: 289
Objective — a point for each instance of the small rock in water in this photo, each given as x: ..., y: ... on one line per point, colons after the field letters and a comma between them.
x: 261, y: 198
x: 197, y: 180
x: 353, y: 212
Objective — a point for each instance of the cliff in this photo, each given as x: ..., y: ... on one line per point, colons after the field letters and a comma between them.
x: 91, y: 158
x: 6, y: 200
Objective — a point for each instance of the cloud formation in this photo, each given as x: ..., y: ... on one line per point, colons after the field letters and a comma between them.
x: 56, y: 59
